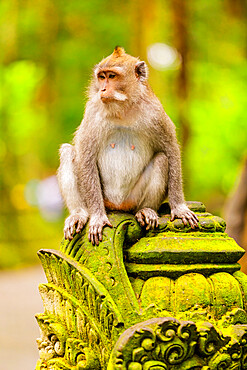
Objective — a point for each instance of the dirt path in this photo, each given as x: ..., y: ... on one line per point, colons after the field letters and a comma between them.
x: 19, y: 302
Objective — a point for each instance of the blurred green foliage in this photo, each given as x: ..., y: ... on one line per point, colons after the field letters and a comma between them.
x: 48, y: 50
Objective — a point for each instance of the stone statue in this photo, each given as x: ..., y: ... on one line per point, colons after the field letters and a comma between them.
x: 169, y: 298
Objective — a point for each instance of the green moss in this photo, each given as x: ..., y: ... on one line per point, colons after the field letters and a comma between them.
x: 172, y: 248
x: 173, y: 273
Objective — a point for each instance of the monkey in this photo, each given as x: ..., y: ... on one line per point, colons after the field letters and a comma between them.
x: 125, y: 155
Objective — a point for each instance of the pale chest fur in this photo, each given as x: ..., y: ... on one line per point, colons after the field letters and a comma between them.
x: 122, y: 158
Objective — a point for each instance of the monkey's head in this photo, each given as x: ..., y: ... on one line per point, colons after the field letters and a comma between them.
x: 120, y: 78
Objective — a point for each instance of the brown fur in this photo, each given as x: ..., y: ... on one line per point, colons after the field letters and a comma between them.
x: 126, y: 206
x: 125, y: 152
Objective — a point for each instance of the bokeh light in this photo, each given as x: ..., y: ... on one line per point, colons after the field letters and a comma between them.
x: 162, y: 56
x: 46, y: 195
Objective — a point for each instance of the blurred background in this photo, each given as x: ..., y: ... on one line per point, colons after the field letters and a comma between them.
x: 196, y: 52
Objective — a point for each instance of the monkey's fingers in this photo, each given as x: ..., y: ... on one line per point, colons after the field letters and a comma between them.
x: 91, y: 239
x: 172, y: 216
x: 146, y: 219
x: 195, y: 222
x: 191, y: 222
x: 193, y: 218
x: 107, y: 223
x: 96, y: 236
x: 148, y: 222
x: 141, y: 222
x: 100, y: 235
x: 65, y: 234
x: 140, y: 218
x: 151, y: 223
x: 91, y: 235
x: 184, y: 219
x: 71, y: 230
x: 79, y: 226
x: 100, y: 230
x: 68, y: 234
x: 150, y: 218
x: 155, y: 223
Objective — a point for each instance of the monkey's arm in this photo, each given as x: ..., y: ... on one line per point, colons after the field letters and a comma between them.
x: 170, y: 146
x: 89, y: 183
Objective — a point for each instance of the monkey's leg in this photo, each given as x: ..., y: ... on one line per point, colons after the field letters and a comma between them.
x: 68, y: 186
x: 150, y: 191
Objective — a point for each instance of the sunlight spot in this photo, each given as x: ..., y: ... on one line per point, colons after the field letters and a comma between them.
x: 161, y: 56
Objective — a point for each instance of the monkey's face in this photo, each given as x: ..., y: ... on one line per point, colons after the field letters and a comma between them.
x: 111, y: 86
x: 120, y: 78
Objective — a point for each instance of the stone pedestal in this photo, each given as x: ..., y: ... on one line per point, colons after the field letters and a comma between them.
x: 173, y: 298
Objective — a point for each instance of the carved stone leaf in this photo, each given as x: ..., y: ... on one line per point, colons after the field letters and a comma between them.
x: 81, y: 323
x: 69, y: 316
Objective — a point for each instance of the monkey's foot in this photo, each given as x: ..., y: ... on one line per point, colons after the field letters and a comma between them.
x: 96, y: 225
x: 183, y: 212
x: 147, y: 217
x: 73, y: 223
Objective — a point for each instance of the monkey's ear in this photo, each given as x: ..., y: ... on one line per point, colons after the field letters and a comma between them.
x: 141, y: 71
x: 118, y: 51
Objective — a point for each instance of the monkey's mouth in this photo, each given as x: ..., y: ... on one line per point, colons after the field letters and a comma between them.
x: 118, y: 97
x: 106, y: 99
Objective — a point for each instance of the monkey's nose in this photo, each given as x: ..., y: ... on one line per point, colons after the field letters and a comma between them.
x: 103, y: 89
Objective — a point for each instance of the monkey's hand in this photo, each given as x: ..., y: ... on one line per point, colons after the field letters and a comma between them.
x: 75, y: 222
x: 96, y: 225
x: 183, y: 212
x: 147, y: 217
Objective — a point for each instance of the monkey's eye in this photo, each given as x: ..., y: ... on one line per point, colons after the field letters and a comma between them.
x: 102, y: 77
x: 111, y: 75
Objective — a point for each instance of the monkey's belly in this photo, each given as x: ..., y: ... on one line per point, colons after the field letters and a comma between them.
x: 121, y: 164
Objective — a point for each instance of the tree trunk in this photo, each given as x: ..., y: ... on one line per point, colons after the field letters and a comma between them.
x: 236, y: 215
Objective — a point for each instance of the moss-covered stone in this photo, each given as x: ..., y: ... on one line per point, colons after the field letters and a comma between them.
x: 171, y: 298
x: 172, y: 248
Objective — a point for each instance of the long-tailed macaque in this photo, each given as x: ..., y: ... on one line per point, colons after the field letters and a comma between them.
x: 125, y: 154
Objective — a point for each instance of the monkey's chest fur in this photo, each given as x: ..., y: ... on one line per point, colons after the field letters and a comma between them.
x: 122, y: 159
